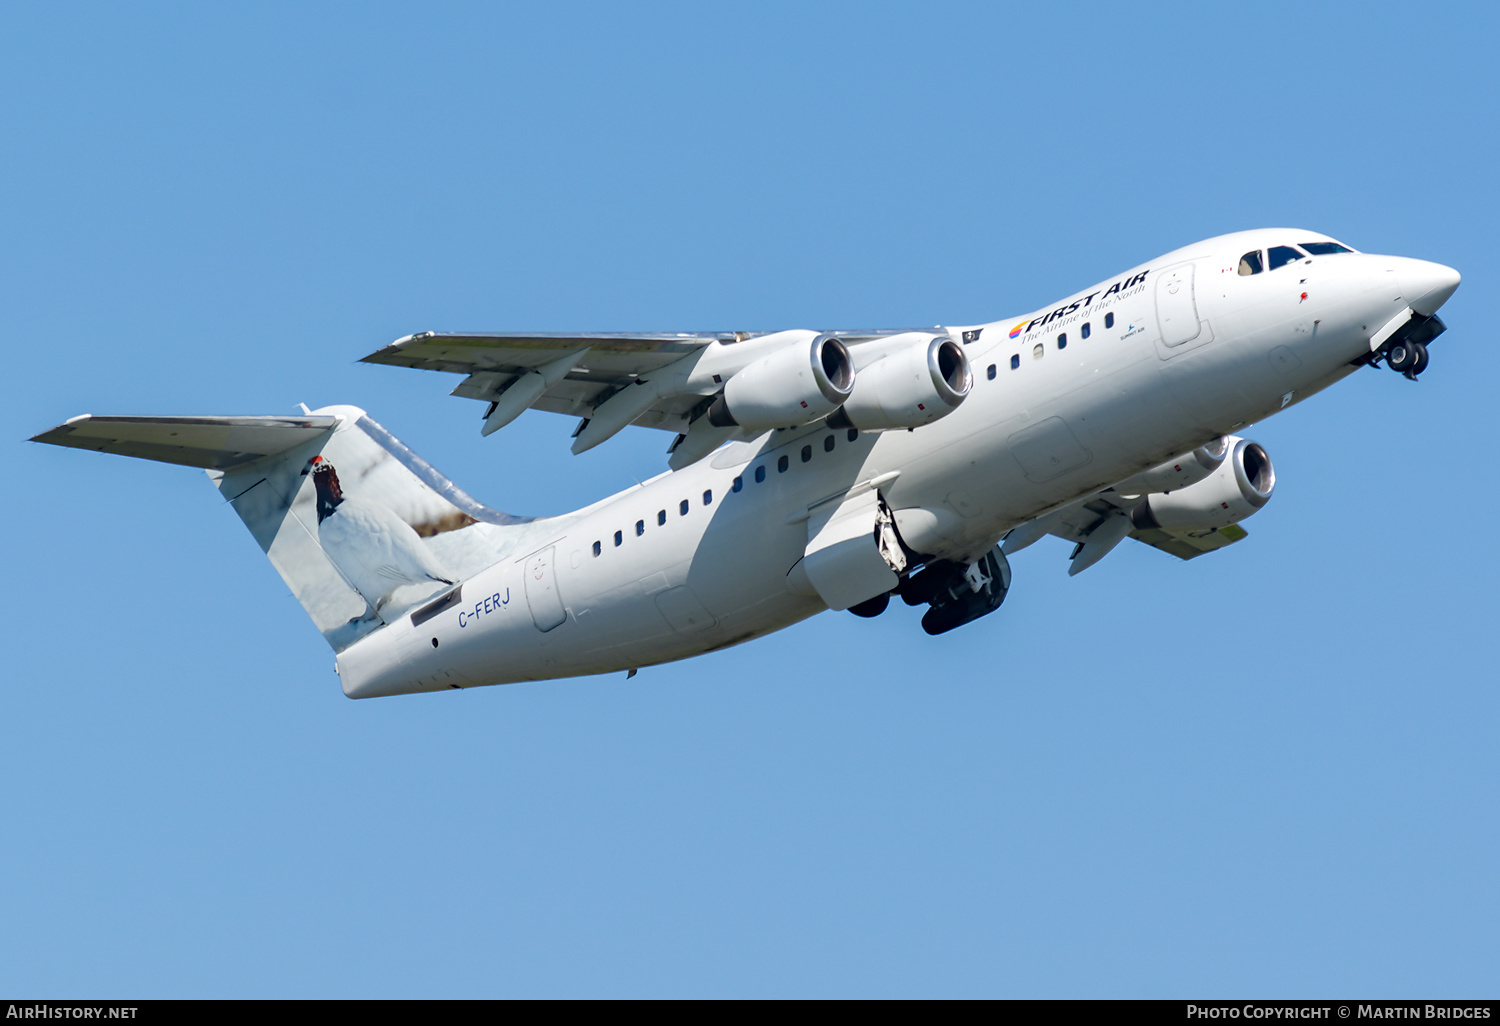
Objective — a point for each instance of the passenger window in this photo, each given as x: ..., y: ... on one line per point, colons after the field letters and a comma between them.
x: 619, y: 537
x: 1109, y: 320
x: 682, y: 508
x: 1250, y: 263
x: 640, y: 528
x: 1085, y: 331
x: 990, y: 373
x: 853, y: 434
x: 781, y: 465
x: 739, y: 483
x: 661, y: 517
x: 1062, y: 341
x: 598, y: 548
x: 828, y: 444
x: 760, y: 474
x: 708, y: 496
x: 1280, y: 256
x: 1037, y: 351
x: 1015, y: 362
x: 806, y: 453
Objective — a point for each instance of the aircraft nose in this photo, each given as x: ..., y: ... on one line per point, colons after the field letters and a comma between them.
x: 1427, y: 286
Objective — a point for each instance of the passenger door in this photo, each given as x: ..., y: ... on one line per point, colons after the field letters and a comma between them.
x: 1180, y: 324
x: 542, y: 596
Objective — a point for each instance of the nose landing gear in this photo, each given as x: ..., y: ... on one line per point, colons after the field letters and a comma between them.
x: 1407, y: 358
x: 1406, y: 351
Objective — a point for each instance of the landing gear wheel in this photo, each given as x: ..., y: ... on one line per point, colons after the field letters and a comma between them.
x: 871, y: 607
x: 1421, y: 363
x: 1401, y: 357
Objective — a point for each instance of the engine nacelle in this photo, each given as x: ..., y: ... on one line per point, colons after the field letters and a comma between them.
x: 906, y: 381
x: 1239, y: 487
x: 794, y: 385
x: 1185, y: 470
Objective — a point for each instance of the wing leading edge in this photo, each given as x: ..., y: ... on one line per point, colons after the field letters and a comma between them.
x: 575, y: 374
x: 606, y: 362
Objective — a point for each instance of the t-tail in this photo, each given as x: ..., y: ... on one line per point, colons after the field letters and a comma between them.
x: 360, y: 527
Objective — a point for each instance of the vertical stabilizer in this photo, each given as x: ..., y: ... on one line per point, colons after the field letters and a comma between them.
x: 360, y: 527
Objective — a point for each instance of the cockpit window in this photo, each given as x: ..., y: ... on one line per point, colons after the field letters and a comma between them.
x: 1325, y: 248
x: 1280, y: 256
x: 1250, y: 263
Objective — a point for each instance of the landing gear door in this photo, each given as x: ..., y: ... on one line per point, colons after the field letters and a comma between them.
x: 850, y: 550
x: 542, y: 596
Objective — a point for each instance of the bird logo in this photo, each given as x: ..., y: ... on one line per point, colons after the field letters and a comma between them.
x: 373, y: 548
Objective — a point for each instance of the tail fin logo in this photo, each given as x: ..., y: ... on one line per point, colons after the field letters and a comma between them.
x: 371, y: 547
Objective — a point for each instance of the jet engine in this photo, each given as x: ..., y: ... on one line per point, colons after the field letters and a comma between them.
x: 1240, y: 486
x: 794, y: 385
x: 906, y: 381
x: 1185, y: 470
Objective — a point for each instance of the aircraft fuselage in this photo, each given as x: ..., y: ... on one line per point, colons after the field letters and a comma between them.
x: 1066, y: 401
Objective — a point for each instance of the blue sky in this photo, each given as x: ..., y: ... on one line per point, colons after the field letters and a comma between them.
x: 1269, y: 771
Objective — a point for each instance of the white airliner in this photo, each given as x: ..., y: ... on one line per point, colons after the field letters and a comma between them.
x: 811, y: 470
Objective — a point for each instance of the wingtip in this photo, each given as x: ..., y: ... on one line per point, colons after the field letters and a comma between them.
x: 49, y: 436
x: 384, y: 353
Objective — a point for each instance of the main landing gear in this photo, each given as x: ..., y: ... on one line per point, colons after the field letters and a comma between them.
x: 957, y: 593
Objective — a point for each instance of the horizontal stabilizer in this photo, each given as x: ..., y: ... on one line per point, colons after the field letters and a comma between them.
x: 213, y: 443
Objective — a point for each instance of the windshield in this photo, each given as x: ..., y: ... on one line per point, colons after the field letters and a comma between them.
x: 1280, y: 256
x: 1325, y: 248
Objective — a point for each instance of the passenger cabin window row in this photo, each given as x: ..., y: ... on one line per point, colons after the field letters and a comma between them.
x: 783, y: 464
x: 1254, y: 262
x: 1085, y: 331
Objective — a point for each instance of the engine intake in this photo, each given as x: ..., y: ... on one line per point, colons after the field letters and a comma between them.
x: 792, y: 386
x: 906, y: 381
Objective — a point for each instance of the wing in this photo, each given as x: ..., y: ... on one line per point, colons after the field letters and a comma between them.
x: 1099, y: 523
x: 1191, y: 544
x: 605, y: 363
x: 570, y: 373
